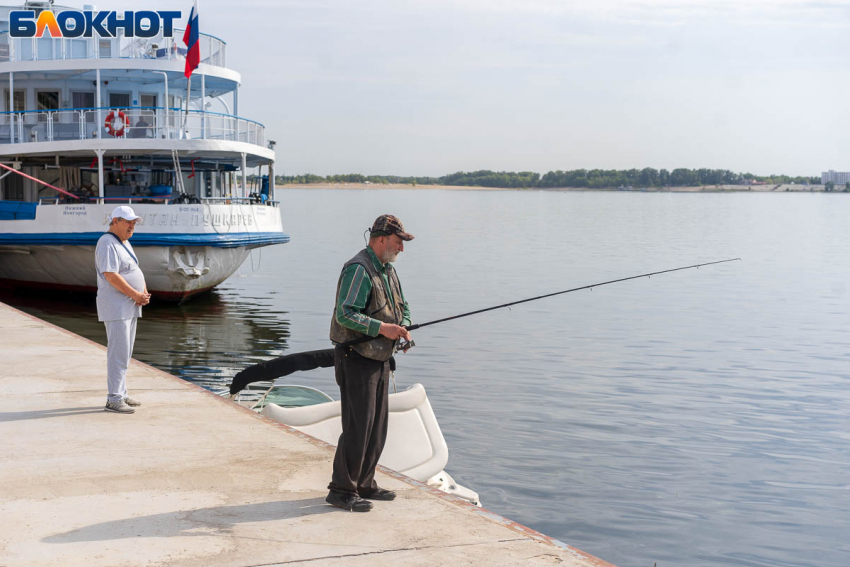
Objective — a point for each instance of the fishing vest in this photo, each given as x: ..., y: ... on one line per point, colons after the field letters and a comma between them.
x: 378, y: 306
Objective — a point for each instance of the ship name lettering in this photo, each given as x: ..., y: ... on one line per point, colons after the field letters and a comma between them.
x: 75, y: 210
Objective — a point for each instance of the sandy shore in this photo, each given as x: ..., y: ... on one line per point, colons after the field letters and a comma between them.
x: 701, y: 189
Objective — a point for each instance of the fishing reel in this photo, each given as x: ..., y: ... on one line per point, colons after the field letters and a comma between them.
x: 403, y: 346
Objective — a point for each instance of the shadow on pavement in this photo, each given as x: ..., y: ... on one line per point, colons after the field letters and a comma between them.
x: 41, y: 414
x: 199, y: 522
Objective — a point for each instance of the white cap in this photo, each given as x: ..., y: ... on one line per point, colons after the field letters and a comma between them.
x: 124, y: 212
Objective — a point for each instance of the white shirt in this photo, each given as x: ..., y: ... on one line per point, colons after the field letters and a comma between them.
x: 111, y: 256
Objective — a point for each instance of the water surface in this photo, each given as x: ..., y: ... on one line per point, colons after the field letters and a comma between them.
x: 695, y: 418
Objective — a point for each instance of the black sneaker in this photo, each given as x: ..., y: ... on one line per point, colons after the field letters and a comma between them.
x: 380, y: 494
x: 348, y: 501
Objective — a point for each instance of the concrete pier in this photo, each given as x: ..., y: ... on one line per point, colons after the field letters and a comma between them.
x: 192, y: 479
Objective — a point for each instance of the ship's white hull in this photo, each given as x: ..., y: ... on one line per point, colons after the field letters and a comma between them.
x: 182, y: 249
x: 171, y: 272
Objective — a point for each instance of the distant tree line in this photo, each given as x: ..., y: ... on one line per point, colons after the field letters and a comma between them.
x: 649, y: 177
x: 589, y: 178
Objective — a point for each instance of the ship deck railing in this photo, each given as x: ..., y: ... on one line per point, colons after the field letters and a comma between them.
x: 213, y: 49
x: 158, y: 200
x: 142, y: 122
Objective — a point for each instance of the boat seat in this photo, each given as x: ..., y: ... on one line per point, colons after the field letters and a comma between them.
x: 415, y: 445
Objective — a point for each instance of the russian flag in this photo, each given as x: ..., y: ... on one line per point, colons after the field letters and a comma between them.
x: 190, y: 38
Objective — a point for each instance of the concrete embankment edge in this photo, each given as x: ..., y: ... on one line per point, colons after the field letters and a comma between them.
x: 194, y: 479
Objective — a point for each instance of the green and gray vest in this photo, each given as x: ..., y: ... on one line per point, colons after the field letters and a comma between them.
x: 380, y: 307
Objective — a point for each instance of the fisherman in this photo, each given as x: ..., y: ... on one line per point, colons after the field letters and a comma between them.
x: 121, y: 292
x: 369, y: 303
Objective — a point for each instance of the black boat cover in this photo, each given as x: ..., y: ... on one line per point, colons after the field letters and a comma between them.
x: 284, y: 366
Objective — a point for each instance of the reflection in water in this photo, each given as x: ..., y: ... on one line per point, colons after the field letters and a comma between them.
x: 206, y: 340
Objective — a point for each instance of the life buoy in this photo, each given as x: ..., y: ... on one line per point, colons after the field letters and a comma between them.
x: 115, y: 123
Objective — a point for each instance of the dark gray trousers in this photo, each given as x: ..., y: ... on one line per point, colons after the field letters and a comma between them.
x: 363, y: 388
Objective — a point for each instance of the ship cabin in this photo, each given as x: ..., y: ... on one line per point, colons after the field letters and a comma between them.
x: 115, y: 120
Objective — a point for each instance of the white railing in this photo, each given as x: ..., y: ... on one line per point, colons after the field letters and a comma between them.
x: 141, y: 122
x: 47, y: 48
x: 164, y: 200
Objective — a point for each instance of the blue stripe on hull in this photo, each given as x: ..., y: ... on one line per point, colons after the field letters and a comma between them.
x: 232, y: 240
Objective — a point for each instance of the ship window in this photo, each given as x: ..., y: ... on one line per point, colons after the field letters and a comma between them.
x: 174, y: 119
x: 13, y: 188
x: 83, y: 100
x: 45, y: 48
x: 149, y: 114
x: 20, y: 101
x: 148, y: 100
x: 46, y: 101
x: 105, y: 49
x: 79, y: 48
x: 119, y: 100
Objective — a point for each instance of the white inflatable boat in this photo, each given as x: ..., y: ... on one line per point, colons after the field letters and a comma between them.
x: 415, y: 445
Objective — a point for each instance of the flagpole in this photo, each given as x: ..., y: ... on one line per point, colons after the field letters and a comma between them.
x: 186, y: 114
x: 192, y: 61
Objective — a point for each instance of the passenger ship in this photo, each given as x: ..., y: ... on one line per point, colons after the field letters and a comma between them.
x: 93, y: 123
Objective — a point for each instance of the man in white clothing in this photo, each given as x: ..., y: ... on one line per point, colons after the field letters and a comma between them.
x: 121, y: 292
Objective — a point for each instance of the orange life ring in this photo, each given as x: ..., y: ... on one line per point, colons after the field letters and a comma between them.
x: 111, y: 127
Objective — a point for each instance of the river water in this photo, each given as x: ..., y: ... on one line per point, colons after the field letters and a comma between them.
x: 696, y: 418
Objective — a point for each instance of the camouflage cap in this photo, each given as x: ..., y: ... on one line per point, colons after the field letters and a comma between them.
x: 388, y: 224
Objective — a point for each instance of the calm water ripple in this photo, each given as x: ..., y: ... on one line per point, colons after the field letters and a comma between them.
x: 698, y: 418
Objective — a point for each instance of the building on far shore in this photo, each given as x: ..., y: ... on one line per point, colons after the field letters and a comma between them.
x: 837, y: 177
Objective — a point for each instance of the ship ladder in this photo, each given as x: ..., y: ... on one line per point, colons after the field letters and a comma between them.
x: 178, y: 173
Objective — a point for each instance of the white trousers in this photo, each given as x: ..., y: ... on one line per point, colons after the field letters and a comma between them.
x: 120, y: 337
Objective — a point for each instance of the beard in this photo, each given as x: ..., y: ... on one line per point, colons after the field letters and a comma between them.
x: 390, y: 257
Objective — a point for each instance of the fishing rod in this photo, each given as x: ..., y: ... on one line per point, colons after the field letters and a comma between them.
x: 285, y: 365
x: 591, y: 286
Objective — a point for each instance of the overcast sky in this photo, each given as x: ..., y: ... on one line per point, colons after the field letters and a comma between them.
x: 429, y: 87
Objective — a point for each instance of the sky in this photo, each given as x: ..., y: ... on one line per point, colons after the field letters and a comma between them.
x: 430, y: 87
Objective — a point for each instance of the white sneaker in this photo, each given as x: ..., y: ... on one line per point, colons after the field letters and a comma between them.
x: 131, y: 402
x: 118, y: 407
